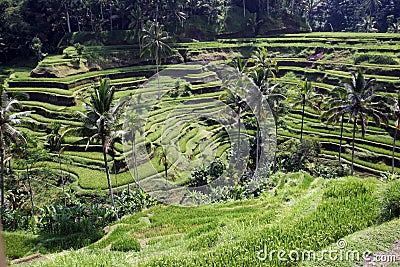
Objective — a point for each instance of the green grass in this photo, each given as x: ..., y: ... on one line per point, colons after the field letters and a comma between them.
x: 19, y: 244
x: 338, y: 61
x: 303, y: 213
x: 374, y: 240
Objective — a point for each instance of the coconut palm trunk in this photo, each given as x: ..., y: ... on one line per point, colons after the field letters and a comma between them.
x: 341, y: 139
x: 276, y: 134
x: 68, y: 21
x: 238, y: 141
x: 352, y: 149
x: 108, y: 176
x: 302, y: 117
x: 30, y: 190
x: 135, y: 172
x: 158, y: 76
x: 62, y: 179
x: 2, y: 173
x: 394, y: 147
x: 258, y: 138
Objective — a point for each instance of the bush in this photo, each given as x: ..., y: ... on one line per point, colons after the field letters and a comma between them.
x: 390, y: 202
x: 125, y: 244
x: 78, y: 218
x: 294, y: 156
x: 330, y: 169
x: 206, y: 174
x: 16, y: 219
x: 130, y: 203
x: 374, y: 59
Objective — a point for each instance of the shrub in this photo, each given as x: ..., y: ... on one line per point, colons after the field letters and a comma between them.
x: 389, y: 176
x: 329, y: 169
x: 125, y: 244
x: 130, y: 203
x: 295, y: 156
x: 78, y: 218
x: 206, y: 174
x: 390, y: 201
x: 16, y: 219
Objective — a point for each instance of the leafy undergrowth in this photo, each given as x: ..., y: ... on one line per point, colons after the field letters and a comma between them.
x: 301, y: 213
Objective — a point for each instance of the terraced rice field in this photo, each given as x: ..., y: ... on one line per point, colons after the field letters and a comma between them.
x: 57, y: 99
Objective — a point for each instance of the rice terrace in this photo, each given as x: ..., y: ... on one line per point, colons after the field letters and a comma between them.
x: 200, y: 133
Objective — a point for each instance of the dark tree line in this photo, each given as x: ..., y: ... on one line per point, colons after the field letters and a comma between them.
x: 355, y: 15
x: 49, y: 20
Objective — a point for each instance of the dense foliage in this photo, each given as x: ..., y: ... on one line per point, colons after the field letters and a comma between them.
x: 24, y: 23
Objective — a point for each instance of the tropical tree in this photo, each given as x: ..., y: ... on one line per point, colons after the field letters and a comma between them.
x: 395, y: 115
x: 306, y: 97
x: 155, y: 42
x: 9, y: 118
x: 102, y: 123
x: 336, y: 108
x: 136, y: 24
x: 372, y: 6
x: 54, y: 143
x: 360, y: 93
x: 263, y: 63
x: 30, y: 153
x: 134, y: 122
x: 271, y: 96
x: 233, y: 99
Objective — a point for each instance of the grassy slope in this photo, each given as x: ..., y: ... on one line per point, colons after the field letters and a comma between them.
x: 301, y: 212
x: 372, y: 153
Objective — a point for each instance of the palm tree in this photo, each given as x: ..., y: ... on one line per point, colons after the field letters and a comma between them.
x: 272, y: 97
x: 307, y: 97
x: 154, y: 41
x: 263, y: 62
x: 233, y: 98
x: 395, y: 114
x: 337, y: 107
x: 135, y: 123
x: 372, y: 6
x: 102, y: 122
x: 9, y: 117
x: 54, y: 143
x: 137, y: 23
x: 360, y: 94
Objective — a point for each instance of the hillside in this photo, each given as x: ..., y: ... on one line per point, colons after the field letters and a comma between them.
x: 288, y: 209
x: 57, y: 99
x: 299, y: 212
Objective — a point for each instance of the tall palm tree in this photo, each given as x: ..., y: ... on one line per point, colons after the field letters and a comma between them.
x: 272, y: 97
x: 9, y: 117
x: 54, y: 143
x: 135, y: 124
x: 102, y: 122
x: 307, y: 97
x: 395, y: 114
x: 360, y: 93
x: 263, y: 69
x: 263, y: 62
x: 233, y: 98
x: 137, y: 18
x: 372, y: 6
x: 337, y: 107
x: 155, y: 42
